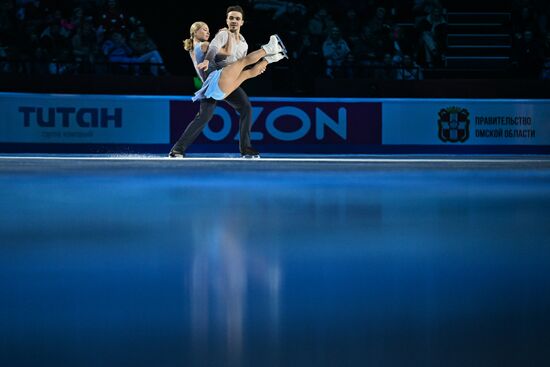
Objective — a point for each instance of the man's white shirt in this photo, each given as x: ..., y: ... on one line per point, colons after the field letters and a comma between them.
x: 239, y: 50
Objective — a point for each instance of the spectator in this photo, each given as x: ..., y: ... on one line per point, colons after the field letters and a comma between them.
x: 306, y: 60
x: 86, y: 46
x: 433, y: 38
x: 335, y: 52
x: 409, y: 70
x: 74, y: 22
x: 133, y: 24
x: 121, y: 54
x: 319, y: 27
x: 56, y: 48
x: 351, y: 25
x: 378, y: 24
x: 367, y: 50
x: 386, y: 71
x: 422, y: 8
x: 524, y: 18
x: 140, y: 42
x: 33, y: 16
x: 113, y: 20
x: 527, y: 56
x: 27, y: 51
x: 398, y: 45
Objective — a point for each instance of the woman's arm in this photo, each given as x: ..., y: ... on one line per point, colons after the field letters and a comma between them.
x: 203, y: 65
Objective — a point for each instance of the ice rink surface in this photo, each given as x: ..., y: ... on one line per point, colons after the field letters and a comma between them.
x: 141, y: 260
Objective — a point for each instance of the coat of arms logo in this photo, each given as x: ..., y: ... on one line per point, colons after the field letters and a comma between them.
x: 454, y: 125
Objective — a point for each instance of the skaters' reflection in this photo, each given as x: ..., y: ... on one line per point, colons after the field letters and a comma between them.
x: 228, y: 264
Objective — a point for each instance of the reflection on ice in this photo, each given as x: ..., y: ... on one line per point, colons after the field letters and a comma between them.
x: 224, y: 267
x: 150, y: 263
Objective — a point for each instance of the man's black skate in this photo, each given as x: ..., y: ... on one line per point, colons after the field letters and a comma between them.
x: 250, y: 152
x: 174, y: 154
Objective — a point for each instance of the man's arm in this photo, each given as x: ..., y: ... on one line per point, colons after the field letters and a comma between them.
x: 210, y: 55
x: 227, y: 49
x: 217, y: 44
x: 222, y: 46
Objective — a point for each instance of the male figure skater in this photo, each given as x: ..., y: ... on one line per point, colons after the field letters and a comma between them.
x: 221, y: 82
x: 237, y: 99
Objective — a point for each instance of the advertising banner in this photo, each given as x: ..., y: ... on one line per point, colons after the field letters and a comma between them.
x: 94, y: 123
x: 289, y: 122
x: 466, y: 122
x: 83, y: 119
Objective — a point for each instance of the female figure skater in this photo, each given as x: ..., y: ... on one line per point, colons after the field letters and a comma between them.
x: 220, y: 83
x: 197, y: 45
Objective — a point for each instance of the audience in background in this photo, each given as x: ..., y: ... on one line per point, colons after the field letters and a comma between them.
x: 124, y: 58
x: 335, y: 52
x: 74, y: 37
x: 382, y: 39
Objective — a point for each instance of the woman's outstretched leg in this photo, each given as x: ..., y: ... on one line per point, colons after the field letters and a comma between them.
x: 231, y: 74
x: 233, y: 70
x: 253, y: 72
x: 229, y: 85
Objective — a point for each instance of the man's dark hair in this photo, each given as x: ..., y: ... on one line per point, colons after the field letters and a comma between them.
x: 235, y: 8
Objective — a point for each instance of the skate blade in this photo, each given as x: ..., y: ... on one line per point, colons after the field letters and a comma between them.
x: 280, y: 41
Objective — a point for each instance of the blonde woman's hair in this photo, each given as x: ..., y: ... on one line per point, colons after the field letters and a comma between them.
x: 188, y: 43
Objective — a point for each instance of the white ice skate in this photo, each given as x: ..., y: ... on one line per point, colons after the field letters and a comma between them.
x: 275, y: 46
x: 274, y: 58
